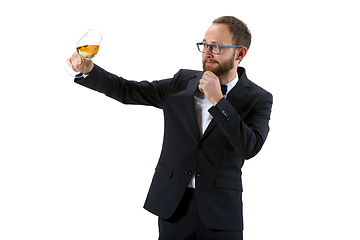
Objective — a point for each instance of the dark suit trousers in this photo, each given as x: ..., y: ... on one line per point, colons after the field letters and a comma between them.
x: 186, y: 224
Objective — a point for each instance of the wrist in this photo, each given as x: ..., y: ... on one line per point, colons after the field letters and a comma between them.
x: 216, y: 101
x: 89, y: 71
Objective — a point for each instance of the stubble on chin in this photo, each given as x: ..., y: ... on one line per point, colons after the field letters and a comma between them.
x: 209, y: 68
x: 219, y: 69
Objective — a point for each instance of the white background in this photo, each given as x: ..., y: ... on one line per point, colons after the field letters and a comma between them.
x: 77, y: 165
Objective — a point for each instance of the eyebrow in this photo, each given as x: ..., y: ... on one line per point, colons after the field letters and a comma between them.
x: 214, y: 42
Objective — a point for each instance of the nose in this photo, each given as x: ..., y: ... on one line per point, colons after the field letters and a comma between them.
x: 207, y: 53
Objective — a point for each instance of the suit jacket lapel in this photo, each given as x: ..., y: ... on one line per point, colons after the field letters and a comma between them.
x: 240, y: 89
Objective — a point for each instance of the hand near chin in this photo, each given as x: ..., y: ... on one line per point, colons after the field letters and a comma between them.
x: 210, y: 85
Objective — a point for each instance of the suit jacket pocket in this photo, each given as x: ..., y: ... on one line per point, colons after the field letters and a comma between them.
x: 230, y: 183
x: 164, y: 169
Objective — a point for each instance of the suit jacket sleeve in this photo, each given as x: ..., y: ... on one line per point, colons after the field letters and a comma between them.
x: 247, y: 135
x: 128, y: 92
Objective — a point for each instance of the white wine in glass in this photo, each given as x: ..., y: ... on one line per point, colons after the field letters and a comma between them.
x: 88, y: 51
x: 87, y: 48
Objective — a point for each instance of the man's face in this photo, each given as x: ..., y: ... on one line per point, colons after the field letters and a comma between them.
x: 219, y: 64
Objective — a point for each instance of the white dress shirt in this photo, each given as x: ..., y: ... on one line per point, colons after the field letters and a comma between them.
x: 202, y: 105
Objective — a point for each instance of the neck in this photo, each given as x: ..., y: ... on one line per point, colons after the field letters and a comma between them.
x: 228, y: 77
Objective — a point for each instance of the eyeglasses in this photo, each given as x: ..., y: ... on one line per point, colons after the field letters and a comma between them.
x: 214, y: 48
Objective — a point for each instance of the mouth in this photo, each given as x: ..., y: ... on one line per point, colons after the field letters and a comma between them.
x: 211, y: 63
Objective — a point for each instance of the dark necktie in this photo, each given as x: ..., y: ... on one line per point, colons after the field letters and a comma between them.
x: 223, y: 89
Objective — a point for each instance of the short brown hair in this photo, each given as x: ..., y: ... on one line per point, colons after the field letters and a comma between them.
x: 241, y: 33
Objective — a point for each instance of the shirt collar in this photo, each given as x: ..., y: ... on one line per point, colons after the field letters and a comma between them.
x: 232, y: 83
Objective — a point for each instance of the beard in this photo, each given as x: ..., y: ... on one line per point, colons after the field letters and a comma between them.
x: 220, y: 69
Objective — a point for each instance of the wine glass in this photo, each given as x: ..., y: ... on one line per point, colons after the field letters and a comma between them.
x: 87, y: 48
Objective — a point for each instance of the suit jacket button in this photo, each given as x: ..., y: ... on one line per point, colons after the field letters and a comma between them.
x: 201, y: 147
x: 226, y: 115
x: 189, y: 173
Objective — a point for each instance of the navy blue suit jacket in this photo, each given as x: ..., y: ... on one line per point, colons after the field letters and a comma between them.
x: 237, y: 132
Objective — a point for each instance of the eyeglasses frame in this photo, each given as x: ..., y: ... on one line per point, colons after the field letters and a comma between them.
x: 212, y: 45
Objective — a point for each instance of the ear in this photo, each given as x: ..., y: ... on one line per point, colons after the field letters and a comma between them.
x: 241, y: 53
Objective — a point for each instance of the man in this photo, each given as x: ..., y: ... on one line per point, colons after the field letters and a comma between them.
x: 196, y: 190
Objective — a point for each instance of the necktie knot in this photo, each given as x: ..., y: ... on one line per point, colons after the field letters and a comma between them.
x: 223, y: 89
